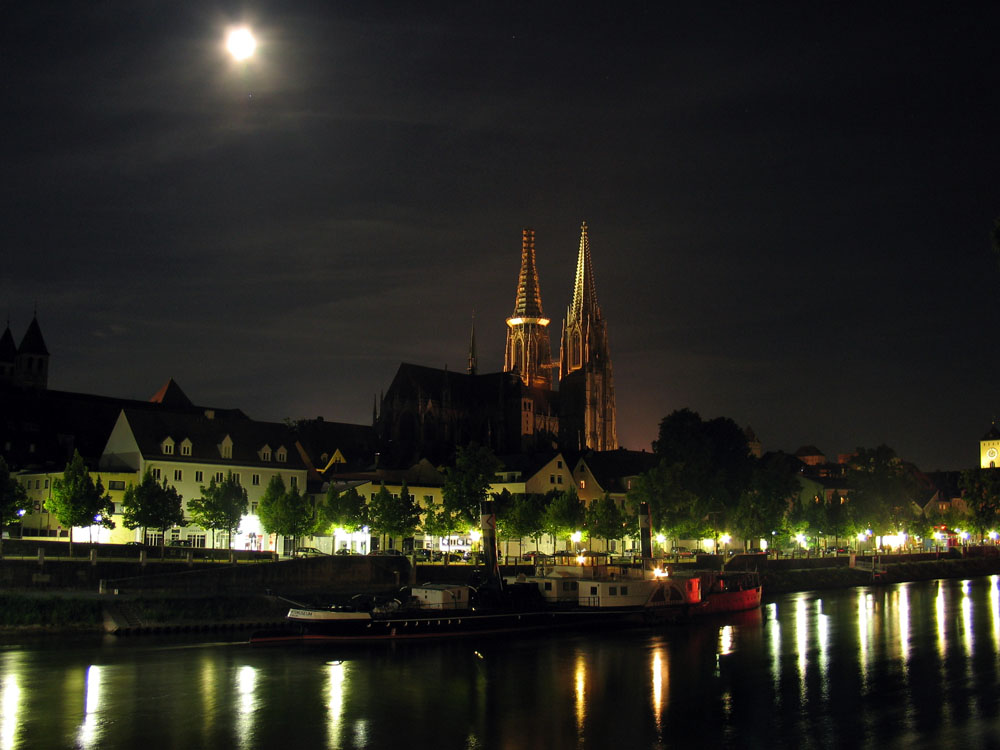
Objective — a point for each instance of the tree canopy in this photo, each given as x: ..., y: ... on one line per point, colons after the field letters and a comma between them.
x: 981, y: 490
x: 285, y: 511
x: 77, y: 500
x: 605, y: 519
x: 345, y: 509
x: 13, y: 498
x: 882, y: 490
x: 564, y: 515
x: 221, y: 506
x: 395, y: 516
x: 152, y: 505
x: 467, y: 484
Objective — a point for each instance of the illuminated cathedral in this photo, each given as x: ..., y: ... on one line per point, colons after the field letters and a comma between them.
x: 535, y: 401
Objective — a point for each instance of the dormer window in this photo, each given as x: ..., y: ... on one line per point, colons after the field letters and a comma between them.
x: 265, y: 453
x: 167, y: 446
x: 226, y: 447
x: 281, y: 455
x: 186, y: 447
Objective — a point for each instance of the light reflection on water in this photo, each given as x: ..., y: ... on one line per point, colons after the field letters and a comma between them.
x: 913, y: 665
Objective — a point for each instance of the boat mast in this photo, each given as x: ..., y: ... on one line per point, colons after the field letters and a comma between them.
x: 645, y: 536
x: 488, y: 524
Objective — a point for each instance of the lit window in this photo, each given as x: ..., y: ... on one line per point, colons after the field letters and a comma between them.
x: 583, y: 484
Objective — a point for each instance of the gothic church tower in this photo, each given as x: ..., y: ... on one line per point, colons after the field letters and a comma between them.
x: 586, y: 378
x: 528, y: 352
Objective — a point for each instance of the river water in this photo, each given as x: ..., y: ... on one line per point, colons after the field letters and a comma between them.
x: 905, y: 666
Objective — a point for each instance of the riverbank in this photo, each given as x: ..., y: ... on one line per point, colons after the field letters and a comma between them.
x: 84, y: 612
x: 786, y: 581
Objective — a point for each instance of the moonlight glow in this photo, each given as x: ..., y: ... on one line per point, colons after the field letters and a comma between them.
x: 241, y: 43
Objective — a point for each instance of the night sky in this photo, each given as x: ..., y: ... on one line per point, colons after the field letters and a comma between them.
x: 789, y: 207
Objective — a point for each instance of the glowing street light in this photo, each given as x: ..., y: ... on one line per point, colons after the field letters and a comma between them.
x: 241, y: 44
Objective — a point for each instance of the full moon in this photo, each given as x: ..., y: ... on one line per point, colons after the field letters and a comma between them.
x: 241, y: 43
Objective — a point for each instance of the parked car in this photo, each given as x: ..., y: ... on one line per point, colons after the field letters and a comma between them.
x: 344, y: 551
x: 179, y: 543
x: 308, y: 552
x: 682, y: 552
x: 534, y: 556
x: 389, y: 552
x: 422, y: 555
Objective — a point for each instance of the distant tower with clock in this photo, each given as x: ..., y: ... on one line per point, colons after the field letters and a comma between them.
x: 989, y: 449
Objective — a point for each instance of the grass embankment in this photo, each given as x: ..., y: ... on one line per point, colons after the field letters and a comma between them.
x: 788, y: 581
x: 191, y: 610
x: 50, y: 611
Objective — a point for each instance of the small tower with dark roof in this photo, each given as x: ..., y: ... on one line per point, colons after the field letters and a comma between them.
x: 8, y: 354
x: 31, y: 363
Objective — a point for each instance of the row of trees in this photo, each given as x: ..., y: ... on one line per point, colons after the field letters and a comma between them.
x: 706, y: 482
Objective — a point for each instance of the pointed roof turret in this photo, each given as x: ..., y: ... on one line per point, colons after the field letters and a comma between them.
x: 528, y: 304
x: 171, y: 395
x: 584, y: 290
x: 33, y: 343
x: 7, y: 348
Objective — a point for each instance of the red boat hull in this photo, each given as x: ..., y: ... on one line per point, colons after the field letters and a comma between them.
x: 729, y: 601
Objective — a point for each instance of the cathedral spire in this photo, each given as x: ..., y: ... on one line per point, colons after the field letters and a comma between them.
x: 473, y: 364
x: 584, y: 290
x: 586, y: 378
x: 528, y: 351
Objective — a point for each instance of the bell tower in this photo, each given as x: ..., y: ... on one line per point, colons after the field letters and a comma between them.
x: 528, y: 352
